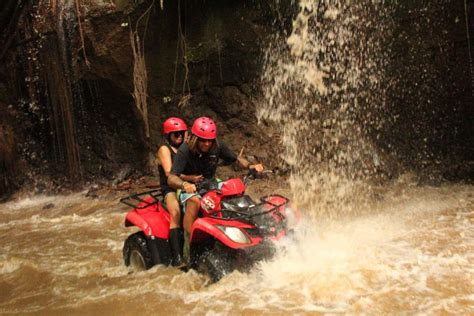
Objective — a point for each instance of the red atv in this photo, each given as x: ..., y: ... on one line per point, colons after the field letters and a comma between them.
x: 232, y: 232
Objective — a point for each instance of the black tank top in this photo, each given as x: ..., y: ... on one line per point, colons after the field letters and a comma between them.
x: 165, y: 189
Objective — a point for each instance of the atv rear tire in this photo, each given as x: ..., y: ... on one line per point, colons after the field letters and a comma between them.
x: 136, y: 252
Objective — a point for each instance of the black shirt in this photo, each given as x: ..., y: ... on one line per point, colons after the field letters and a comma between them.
x: 165, y: 189
x: 189, y: 163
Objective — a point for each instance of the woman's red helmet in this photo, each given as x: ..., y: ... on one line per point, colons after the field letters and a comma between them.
x: 204, y: 127
x: 174, y: 124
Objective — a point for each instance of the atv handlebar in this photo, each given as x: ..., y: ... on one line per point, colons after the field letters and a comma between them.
x: 207, y: 185
x: 252, y: 174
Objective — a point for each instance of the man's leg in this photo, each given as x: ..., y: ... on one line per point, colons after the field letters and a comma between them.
x: 192, y: 209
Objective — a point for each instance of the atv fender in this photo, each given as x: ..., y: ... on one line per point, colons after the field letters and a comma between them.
x: 204, y: 230
x: 153, y: 222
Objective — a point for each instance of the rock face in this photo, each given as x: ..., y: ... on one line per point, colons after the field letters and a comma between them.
x: 70, y: 85
x: 432, y: 92
x: 202, y: 58
x: 8, y: 155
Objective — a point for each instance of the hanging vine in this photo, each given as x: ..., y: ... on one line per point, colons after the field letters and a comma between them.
x: 140, y: 78
x: 81, y: 32
x: 181, y: 50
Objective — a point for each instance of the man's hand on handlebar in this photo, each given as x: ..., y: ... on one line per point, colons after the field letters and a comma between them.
x: 189, y: 187
x: 257, y: 167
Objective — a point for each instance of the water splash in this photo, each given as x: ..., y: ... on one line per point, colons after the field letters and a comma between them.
x: 324, y: 86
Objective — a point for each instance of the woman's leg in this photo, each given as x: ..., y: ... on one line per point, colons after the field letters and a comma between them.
x: 176, y: 238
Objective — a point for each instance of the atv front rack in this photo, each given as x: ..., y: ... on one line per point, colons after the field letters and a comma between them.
x: 266, y: 228
x: 143, y: 200
x: 246, y: 215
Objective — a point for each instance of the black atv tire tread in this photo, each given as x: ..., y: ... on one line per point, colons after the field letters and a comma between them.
x: 137, y: 241
x: 215, y: 264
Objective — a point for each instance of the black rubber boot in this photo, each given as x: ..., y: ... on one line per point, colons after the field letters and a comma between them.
x: 176, y: 244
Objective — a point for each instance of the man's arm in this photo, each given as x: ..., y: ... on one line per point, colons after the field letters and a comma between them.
x: 192, y: 178
x: 176, y: 182
x: 229, y: 156
x: 179, y: 166
x: 245, y: 164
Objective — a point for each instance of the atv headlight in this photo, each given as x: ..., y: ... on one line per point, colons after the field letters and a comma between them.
x: 235, y: 234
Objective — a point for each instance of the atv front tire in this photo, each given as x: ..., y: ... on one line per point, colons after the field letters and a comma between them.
x: 136, y: 253
x: 216, y: 265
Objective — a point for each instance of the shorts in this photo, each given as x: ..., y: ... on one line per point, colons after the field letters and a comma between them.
x: 183, y: 197
x: 165, y: 190
x: 166, y: 194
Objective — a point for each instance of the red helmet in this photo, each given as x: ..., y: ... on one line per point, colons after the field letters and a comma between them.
x: 174, y: 124
x: 204, y: 127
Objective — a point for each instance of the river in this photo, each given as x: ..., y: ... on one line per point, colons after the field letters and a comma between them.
x: 411, y: 252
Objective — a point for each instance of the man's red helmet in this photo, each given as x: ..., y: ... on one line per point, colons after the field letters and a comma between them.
x: 204, y: 127
x: 174, y: 124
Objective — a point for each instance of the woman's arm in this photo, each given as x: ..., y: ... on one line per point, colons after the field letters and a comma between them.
x: 164, y: 159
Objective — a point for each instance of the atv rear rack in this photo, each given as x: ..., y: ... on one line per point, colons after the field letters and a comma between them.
x: 142, y: 200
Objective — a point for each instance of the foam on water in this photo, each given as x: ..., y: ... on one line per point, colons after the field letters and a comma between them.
x: 34, y: 201
x: 40, y: 200
x: 9, y: 265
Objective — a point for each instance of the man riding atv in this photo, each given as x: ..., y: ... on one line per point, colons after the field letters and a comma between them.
x: 234, y: 231
x: 200, y: 156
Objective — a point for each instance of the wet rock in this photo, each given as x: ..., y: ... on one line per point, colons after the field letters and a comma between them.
x: 8, y: 154
x: 48, y: 206
x: 124, y: 173
x: 93, y: 192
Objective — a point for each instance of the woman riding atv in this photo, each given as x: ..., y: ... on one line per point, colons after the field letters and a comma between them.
x: 200, y: 156
x: 174, y: 132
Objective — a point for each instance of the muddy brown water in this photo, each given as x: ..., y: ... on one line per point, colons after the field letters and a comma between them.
x: 412, y: 253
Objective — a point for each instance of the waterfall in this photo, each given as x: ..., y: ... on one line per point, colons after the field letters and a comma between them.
x: 50, y: 60
x: 324, y: 88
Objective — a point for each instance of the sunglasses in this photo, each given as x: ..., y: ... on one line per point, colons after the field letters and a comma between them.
x: 178, y: 134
